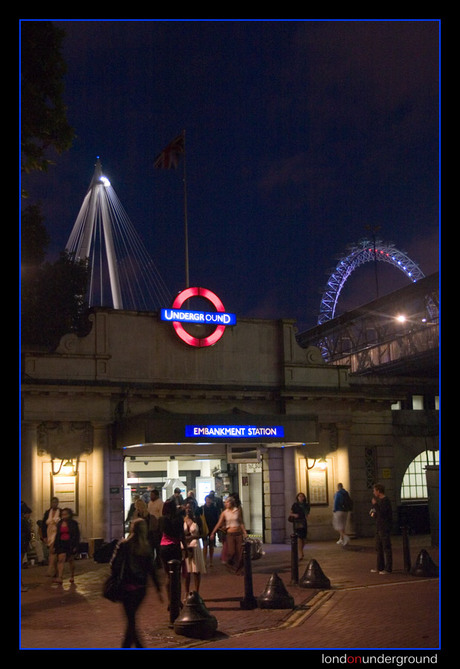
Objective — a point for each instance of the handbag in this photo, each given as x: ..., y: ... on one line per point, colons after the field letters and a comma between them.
x: 113, y: 586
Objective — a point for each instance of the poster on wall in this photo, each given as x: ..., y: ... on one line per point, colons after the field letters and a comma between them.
x: 317, y: 486
x: 65, y: 489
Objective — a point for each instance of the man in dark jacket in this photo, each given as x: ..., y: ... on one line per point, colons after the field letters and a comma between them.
x: 383, y: 514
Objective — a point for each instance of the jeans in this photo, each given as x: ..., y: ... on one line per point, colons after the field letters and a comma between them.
x: 384, y: 551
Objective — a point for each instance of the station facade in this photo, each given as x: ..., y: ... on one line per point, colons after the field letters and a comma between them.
x: 142, y: 401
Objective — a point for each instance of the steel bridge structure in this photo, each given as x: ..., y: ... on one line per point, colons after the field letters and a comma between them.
x: 396, y: 333
x: 122, y: 274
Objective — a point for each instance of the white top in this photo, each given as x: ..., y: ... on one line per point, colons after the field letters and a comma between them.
x: 232, y: 518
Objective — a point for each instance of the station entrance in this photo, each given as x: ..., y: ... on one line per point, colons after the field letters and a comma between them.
x: 220, y: 468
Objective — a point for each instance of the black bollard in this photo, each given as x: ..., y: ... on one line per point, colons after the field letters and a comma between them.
x: 406, y: 549
x: 314, y: 577
x: 294, y: 560
x: 195, y: 621
x: 275, y: 595
x: 174, y: 589
x: 249, y: 601
x: 424, y: 565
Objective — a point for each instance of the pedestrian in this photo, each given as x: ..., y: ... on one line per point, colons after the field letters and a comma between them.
x: 177, y: 498
x: 171, y: 527
x: 383, y: 514
x: 26, y: 534
x: 231, y: 520
x: 133, y: 558
x: 342, y: 505
x: 140, y: 510
x: 155, y: 509
x: 48, y: 526
x: 66, y: 543
x: 210, y: 515
x: 193, y: 548
x: 191, y: 499
x: 217, y: 501
x: 298, y: 517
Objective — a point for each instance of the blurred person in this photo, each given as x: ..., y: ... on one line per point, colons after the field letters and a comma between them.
x: 155, y: 509
x: 133, y: 558
x: 171, y: 527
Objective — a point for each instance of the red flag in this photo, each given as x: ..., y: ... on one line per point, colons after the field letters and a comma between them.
x: 169, y: 157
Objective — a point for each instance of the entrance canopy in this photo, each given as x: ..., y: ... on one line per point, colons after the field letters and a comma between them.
x: 210, y: 434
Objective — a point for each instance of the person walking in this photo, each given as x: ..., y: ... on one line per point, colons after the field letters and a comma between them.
x: 231, y: 519
x: 383, y: 514
x: 66, y: 543
x: 298, y: 516
x: 140, y: 510
x: 133, y: 558
x: 49, y: 527
x: 26, y: 534
x: 155, y: 509
x: 342, y: 505
x: 210, y: 513
x: 194, y: 560
x: 171, y: 526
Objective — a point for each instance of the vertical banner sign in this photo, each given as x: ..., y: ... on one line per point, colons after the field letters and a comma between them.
x: 219, y: 318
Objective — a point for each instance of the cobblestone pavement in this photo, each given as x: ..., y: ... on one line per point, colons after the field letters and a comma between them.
x: 361, y: 610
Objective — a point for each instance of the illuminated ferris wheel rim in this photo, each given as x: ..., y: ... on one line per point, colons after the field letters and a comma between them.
x: 366, y: 251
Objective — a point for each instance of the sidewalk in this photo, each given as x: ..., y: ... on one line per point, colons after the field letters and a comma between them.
x: 360, y: 610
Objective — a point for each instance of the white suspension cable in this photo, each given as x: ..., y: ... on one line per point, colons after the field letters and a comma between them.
x: 118, y: 258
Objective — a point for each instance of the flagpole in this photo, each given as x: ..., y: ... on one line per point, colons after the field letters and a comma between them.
x: 187, y: 278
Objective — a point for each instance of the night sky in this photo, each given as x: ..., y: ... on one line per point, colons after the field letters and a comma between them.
x: 300, y: 134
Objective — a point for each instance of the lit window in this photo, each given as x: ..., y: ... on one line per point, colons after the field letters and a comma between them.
x: 414, y: 481
x: 417, y: 402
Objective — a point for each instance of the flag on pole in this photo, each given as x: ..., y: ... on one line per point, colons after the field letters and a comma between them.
x: 169, y: 157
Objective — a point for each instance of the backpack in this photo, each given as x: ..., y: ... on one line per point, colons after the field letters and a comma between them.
x: 347, y: 502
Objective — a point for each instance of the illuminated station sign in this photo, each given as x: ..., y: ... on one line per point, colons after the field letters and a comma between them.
x: 234, y: 431
x: 178, y: 317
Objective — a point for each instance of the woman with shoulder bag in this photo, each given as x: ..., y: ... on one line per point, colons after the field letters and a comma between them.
x: 298, y: 517
x: 133, y: 558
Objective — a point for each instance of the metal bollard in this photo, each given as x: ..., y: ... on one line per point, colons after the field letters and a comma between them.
x: 406, y: 549
x: 294, y: 560
x: 249, y: 601
x: 174, y: 589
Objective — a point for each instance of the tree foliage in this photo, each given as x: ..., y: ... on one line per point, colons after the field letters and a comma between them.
x: 52, y: 294
x: 44, y: 123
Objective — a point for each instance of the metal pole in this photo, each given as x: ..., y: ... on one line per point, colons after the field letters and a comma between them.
x: 187, y: 271
x: 406, y: 549
x: 174, y: 589
x: 249, y: 602
x: 294, y: 560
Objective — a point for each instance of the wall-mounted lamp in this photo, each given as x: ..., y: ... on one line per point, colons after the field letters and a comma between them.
x: 320, y: 463
x: 64, y: 466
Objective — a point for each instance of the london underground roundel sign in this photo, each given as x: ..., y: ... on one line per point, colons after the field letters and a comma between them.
x: 219, y: 318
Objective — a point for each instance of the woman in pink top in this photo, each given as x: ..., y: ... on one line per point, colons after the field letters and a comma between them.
x: 231, y: 521
x: 66, y: 543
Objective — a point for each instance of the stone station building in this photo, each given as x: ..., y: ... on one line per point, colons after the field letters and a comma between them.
x: 130, y: 406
